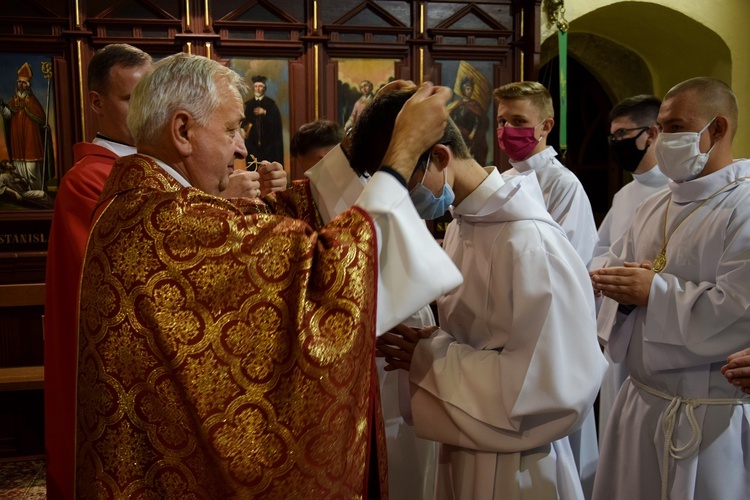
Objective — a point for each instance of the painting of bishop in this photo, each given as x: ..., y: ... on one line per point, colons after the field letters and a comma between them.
x: 26, y: 147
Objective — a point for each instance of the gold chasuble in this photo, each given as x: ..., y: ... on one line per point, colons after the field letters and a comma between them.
x: 226, y: 346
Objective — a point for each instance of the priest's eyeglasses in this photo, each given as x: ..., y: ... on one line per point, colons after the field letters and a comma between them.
x: 621, y: 133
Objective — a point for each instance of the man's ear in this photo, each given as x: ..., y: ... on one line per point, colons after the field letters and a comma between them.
x: 181, y: 131
x: 549, y: 123
x: 95, y: 101
x: 652, y: 133
x: 441, y: 155
x: 719, y: 129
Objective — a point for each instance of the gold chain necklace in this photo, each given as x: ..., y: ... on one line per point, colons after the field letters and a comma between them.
x: 660, y: 262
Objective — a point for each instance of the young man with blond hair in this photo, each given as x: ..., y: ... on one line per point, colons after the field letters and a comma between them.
x: 525, y: 117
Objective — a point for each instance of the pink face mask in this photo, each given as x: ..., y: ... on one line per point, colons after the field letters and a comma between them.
x: 517, y: 142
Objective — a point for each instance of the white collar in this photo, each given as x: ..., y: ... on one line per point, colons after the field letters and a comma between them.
x: 117, y: 148
x: 702, y: 187
x: 537, y: 161
x: 651, y: 178
x: 477, y: 198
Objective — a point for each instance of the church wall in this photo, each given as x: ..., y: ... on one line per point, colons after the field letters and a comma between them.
x: 314, y: 53
x: 677, y: 39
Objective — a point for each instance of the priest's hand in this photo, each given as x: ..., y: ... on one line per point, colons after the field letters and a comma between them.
x: 242, y: 184
x: 397, y: 346
x: 272, y: 177
x: 394, y: 86
x: 737, y: 370
x: 419, y: 125
x: 628, y: 285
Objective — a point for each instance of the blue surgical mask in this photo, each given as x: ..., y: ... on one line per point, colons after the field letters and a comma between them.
x: 427, y: 204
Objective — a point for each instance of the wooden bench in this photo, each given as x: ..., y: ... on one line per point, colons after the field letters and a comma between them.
x: 22, y: 377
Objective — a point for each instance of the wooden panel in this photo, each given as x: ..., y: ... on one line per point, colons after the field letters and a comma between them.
x: 22, y: 295
x: 21, y: 341
x: 21, y: 378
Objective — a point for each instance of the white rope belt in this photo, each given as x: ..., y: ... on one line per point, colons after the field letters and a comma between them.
x: 669, y: 421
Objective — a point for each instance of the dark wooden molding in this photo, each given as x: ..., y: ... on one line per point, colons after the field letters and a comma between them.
x: 421, y: 36
x: 159, y: 13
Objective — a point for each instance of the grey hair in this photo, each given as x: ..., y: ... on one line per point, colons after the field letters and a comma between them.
x: 178, y: 82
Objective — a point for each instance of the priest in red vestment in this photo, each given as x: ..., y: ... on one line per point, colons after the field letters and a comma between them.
x: 227, y: 346
x: 112, y: 74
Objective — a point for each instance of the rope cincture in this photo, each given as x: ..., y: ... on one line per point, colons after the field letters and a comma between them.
x: 668, y: 425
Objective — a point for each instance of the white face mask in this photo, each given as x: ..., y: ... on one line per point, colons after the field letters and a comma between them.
x: 679, y: 154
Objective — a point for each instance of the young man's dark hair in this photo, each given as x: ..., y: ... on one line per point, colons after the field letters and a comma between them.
x: 320, y: 133
x: 112, y: 55
x: 641, y: 109
x: 372, y: 133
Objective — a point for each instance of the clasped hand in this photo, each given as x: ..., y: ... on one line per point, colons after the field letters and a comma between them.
x: 397, y: 346
x: 268, y: 178
x: 628, y: 285
x: 737, y: 370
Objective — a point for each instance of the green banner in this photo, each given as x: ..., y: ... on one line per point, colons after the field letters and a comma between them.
x: 562, y: 38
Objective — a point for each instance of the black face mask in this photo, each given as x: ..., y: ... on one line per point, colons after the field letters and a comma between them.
x: 626, y: 153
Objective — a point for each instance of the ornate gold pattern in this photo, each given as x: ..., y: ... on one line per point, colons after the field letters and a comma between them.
x: 225, y: 352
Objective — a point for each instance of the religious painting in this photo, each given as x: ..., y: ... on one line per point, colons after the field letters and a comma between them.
x: 28, y: 173
x: 471, y: 106
x: 266, y: 124
x: 358, y: 82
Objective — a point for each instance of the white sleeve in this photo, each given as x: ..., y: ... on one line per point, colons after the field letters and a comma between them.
x: 601, y: 251
x: 693, y: 323
x: 536, y: 389
x: 414, y: 270
x: 571, y: 209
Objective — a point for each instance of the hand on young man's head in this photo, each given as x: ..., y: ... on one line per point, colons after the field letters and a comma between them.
x: 419, y: 126
x: 394, y: 86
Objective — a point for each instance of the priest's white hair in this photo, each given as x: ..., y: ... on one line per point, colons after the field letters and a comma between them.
x: 178, y: 82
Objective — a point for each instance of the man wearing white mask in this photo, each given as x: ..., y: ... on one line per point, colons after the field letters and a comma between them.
x: 675, y: 310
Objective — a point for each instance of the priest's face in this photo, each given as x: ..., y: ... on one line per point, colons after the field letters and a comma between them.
x: 112, y: 106
x: 216, y: 145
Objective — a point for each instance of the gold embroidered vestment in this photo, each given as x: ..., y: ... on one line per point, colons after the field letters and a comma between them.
x: 226, y: 346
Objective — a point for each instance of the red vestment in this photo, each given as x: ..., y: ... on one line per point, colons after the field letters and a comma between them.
x: 26, y: 122
x: 74, y: 207
x: 225, y: 351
